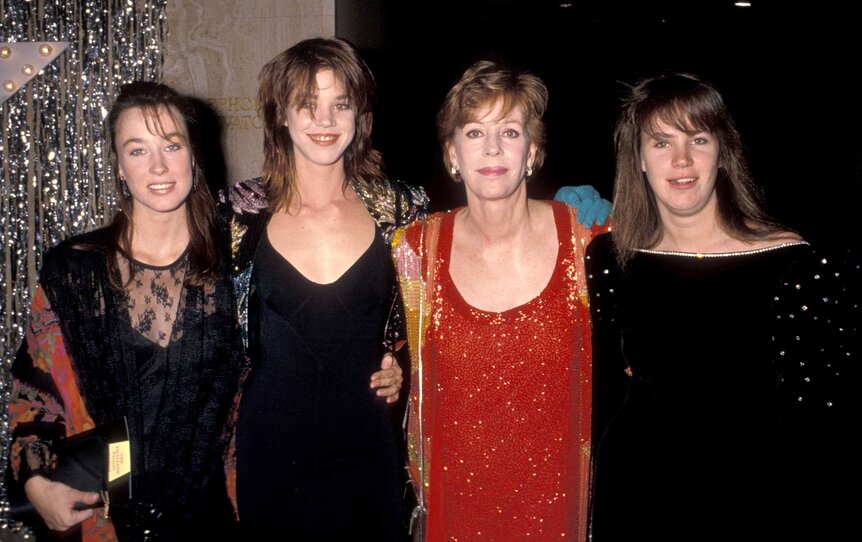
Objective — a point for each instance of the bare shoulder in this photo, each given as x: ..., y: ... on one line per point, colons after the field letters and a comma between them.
x: 538, y: 205
x: 778, y: 238
x: 787, y: 237
x: 542, y: 211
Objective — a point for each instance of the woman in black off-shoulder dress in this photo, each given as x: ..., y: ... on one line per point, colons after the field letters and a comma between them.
x: 723, y: 344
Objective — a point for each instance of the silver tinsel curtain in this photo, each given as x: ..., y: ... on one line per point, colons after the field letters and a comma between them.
x: 55, y: 177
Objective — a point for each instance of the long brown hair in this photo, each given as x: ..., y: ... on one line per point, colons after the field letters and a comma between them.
x: 688, y: 104
x: 288, y: 80
x: 480, y: 86
x: 153, y: 99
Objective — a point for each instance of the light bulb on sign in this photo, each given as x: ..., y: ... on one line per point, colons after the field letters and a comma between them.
x: 21, y: 61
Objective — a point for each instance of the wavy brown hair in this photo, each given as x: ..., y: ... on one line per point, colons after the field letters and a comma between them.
x: 288, y: 80
x: 154, y: 99
x: 689, y: 105
x: 481, y: 85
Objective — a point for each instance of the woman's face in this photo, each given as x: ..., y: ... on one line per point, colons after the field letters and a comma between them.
x: 322, y: 128
x: 156, y: 169
x: 681, y: 168
x: 492, y: 153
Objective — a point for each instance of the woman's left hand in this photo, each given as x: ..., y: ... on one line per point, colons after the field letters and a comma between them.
x: 388, y: 380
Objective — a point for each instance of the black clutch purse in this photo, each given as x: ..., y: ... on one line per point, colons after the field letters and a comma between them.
x: 97, y: 460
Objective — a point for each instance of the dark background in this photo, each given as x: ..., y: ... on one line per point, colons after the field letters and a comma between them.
x: 787, y: 71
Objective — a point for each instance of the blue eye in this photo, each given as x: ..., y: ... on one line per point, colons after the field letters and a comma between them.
x: 136, y: 152
x: 173, y: 147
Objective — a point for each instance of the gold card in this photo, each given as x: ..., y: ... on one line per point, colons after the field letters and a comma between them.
x: 119, y: 460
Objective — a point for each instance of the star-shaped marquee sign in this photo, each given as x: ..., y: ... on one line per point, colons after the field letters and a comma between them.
x: 23, y: 60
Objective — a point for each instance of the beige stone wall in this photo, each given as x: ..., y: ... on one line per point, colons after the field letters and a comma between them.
x: 215, y: 49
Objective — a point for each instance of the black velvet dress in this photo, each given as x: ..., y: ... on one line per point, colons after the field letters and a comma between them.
x: 727, y: 426
x: 317, y: 450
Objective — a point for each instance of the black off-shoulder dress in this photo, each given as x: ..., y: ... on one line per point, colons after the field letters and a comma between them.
x: 732, y: 424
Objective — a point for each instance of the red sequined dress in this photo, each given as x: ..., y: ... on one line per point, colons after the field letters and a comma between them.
x: 506, y: 396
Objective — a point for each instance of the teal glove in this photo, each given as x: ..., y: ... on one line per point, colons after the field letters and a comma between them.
x: 591, y: 208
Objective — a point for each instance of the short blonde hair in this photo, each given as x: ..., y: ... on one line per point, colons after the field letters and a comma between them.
x: 482, y: 85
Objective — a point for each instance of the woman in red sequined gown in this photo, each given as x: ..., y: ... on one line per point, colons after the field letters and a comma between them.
x: 498, y: 325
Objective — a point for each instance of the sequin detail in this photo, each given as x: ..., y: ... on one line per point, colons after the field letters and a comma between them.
x: 507, y: 400
x: 719, y: 373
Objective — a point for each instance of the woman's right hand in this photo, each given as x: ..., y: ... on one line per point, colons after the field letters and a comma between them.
x: 54, y: 502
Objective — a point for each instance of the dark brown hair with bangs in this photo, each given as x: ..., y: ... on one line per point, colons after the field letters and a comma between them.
x: 481, y: 86
x: 154, y: 99
x: 288, y: 80
x: 689, y: 105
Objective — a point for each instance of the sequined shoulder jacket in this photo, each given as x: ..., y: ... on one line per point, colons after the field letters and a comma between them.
x: 245, y: 208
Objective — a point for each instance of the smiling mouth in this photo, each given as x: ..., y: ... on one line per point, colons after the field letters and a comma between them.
x: 323, y: 139
x: 493, y: 171
x: 160, y: 186
x: 683, y: 181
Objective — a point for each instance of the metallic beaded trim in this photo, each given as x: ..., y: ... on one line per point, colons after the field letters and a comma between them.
x: 700, y: 255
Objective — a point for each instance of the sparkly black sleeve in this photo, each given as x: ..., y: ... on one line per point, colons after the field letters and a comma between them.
x: 610, y: 376
x: 816, y: 338
x: 816, y: 348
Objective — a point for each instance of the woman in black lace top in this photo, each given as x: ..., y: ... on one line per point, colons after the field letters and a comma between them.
x: 135, y: 320
x: 723, y: 345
